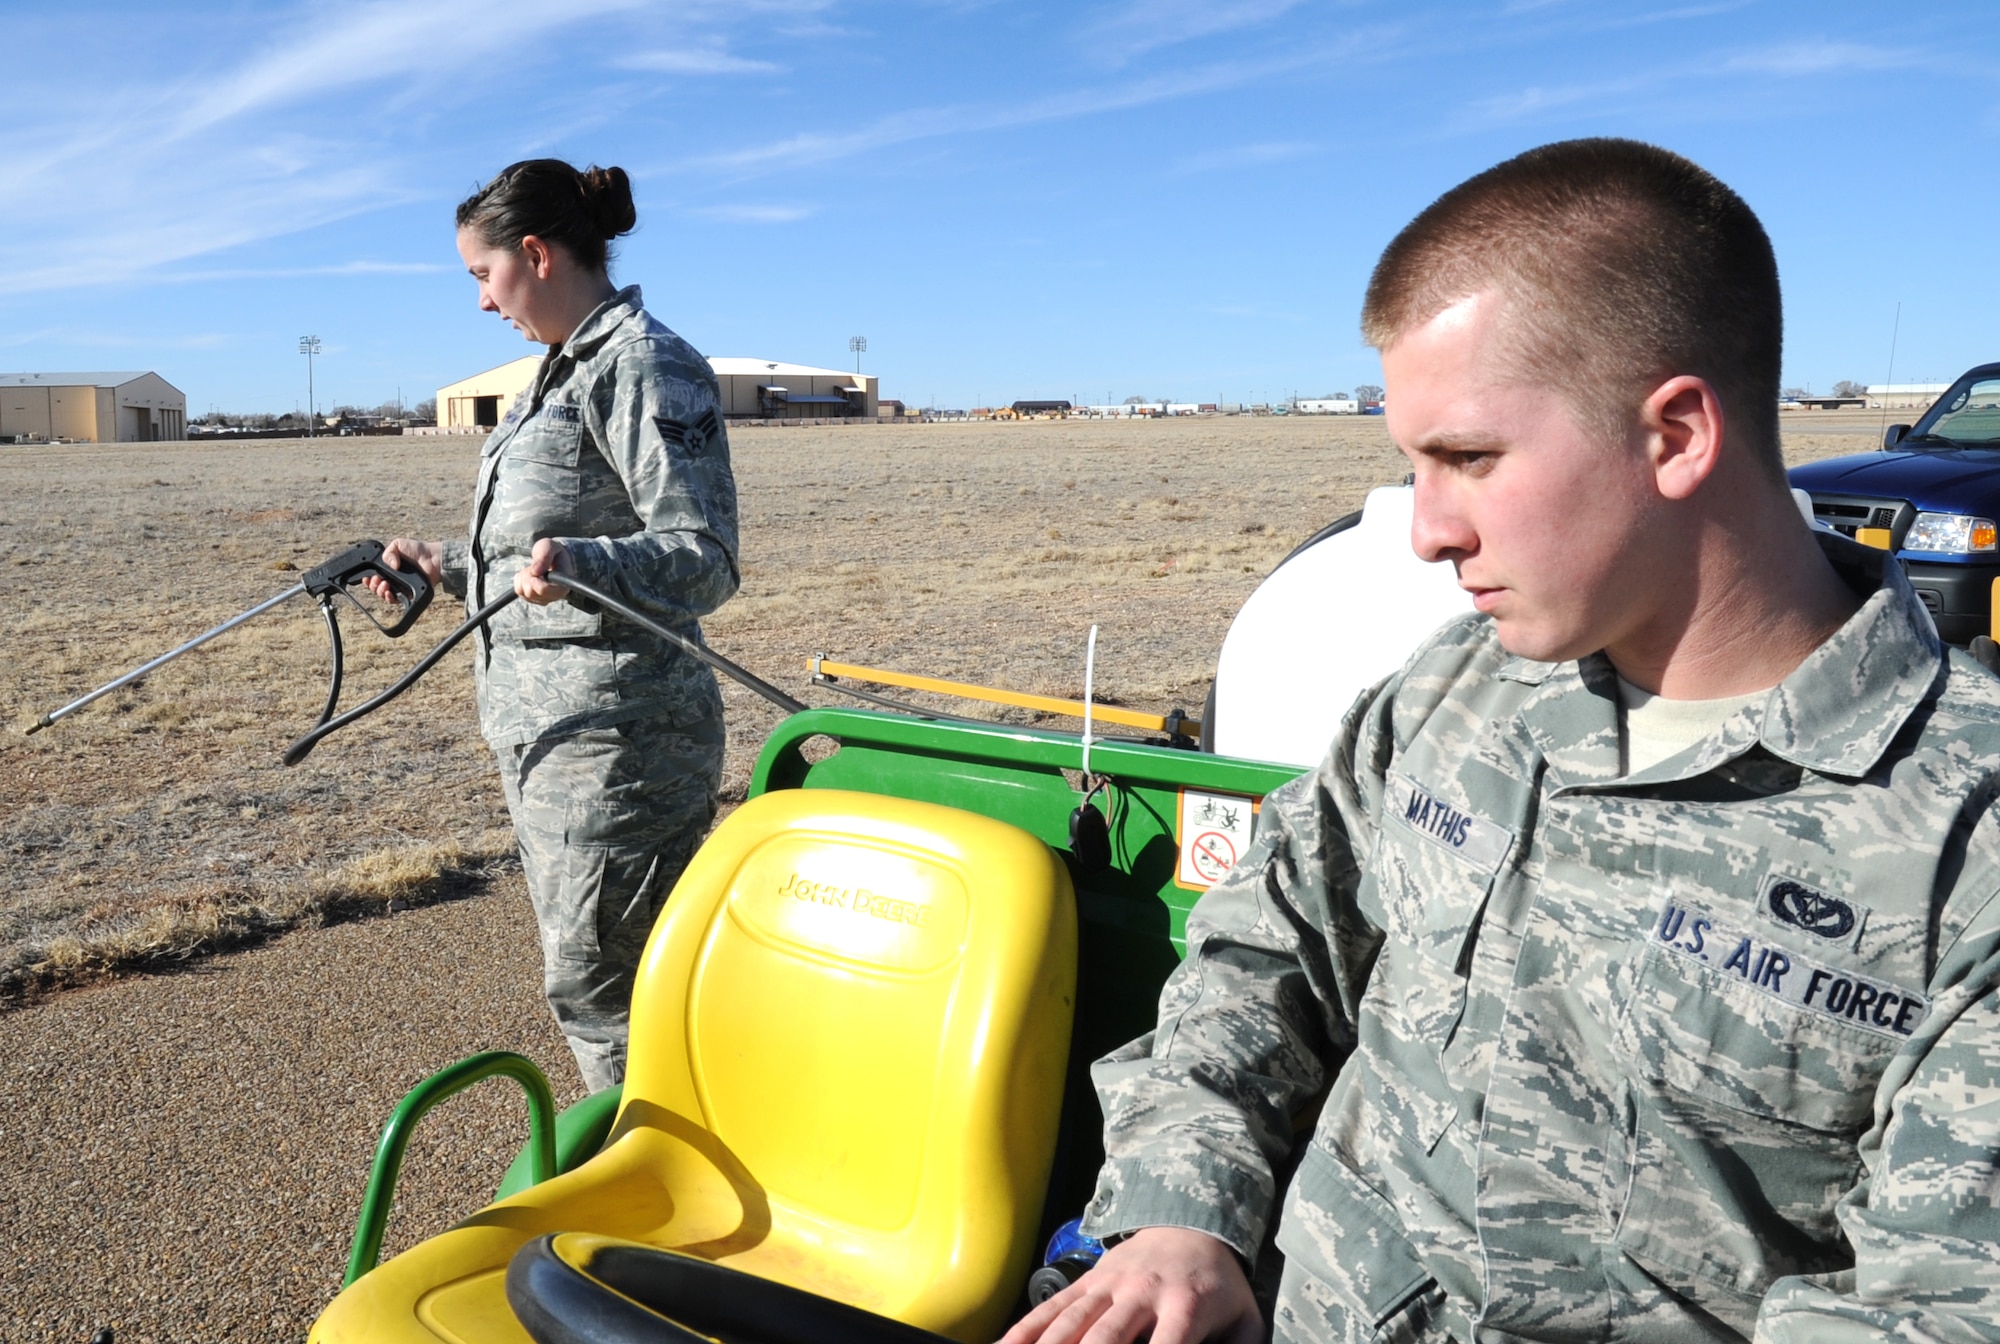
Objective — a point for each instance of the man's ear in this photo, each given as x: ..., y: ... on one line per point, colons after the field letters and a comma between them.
x: 1682, y: 423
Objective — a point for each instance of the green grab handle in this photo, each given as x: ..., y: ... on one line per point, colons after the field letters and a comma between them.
x: 446, y: 1082
x: 580, y: 1132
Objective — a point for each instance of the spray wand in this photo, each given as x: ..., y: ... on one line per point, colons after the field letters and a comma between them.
x: 412, y: 593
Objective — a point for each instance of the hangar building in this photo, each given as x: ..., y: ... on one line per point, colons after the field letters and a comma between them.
x: 91, y: 407
x: 752, y: 389
x: 757, y: 389
x: 476, y: 404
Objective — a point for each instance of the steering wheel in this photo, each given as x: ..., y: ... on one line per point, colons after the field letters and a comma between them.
x: 574, y: 1288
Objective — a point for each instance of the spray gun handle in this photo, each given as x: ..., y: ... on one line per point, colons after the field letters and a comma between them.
x: 411, y: 590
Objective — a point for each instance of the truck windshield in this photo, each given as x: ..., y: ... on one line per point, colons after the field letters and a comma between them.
x: 1968, y: 414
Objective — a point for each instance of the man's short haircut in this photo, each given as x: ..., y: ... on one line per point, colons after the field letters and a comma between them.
x: 1620, y: 265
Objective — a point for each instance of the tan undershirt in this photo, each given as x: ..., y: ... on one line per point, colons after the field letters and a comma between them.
x: 1652, y: 728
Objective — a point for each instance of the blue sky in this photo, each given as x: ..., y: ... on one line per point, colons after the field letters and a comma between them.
x: 1179, y: 198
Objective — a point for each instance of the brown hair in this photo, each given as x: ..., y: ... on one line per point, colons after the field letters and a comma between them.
x: 580, y: 211
x: 1621, y: 264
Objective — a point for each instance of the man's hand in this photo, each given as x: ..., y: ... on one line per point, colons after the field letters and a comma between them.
x: 1183, y: 1286
x: 531, y: 582
x: 427, y: 556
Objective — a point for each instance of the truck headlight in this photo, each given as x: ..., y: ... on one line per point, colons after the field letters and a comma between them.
x: 1951, y: 532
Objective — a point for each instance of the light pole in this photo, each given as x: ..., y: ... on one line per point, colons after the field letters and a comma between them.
x: 857, y: 344
x: 309, y: 346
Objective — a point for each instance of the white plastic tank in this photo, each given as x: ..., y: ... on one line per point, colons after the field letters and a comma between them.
x: 1327, y: 624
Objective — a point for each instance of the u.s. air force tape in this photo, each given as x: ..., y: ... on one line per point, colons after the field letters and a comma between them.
x: 1693, y: 934
x: 1479, y: 842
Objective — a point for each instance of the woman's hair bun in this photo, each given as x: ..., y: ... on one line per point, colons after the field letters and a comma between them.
x: 607, y: 194
x: 580, y: 209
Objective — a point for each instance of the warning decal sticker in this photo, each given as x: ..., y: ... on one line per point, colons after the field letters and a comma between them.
x: 1213, y: 831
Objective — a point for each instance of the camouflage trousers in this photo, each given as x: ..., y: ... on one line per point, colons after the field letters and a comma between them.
x: 606, y: 819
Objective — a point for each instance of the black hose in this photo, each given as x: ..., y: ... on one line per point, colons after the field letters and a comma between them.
x: 300, y: 749
x: 333, y: 680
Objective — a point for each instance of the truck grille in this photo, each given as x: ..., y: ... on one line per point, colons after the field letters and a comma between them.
x: 1846, y: 514
x: 1847, y: 517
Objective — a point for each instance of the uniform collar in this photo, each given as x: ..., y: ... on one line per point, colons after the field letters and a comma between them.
x: 1836, y: 713
x: 603, y: 320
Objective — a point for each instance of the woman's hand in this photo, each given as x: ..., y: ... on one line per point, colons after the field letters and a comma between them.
x: 402, y: 553
x: 549, y: 557
x: 1180, y: 1285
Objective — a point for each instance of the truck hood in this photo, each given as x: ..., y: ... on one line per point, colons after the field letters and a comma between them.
x: 1951, y: 480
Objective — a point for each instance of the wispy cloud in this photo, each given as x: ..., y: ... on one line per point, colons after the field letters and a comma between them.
x: 385, y: 40
x: 814, y: 147
x: 1825, y: 58
x: 1242, y: 156
x: 115, y: 340
x: 1142, y: 26
x: 1537, y: 101
x: 755, y: 214
x: 312, y: 125
x: 694, y: 61
x: 1641, y: 18
x: 302, y: 272
x: 1712, y: 73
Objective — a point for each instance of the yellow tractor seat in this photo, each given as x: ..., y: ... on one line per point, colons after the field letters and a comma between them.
x: 846, y: 1065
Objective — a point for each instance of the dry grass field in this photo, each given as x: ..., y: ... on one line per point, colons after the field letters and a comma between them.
x: 188, y: 1149
x: 159, y: 823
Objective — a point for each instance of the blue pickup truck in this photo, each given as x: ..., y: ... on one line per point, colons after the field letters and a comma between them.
x: 1933, y: 495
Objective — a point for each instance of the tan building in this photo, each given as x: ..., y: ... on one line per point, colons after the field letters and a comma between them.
x: 474, y: 405
x: 754, y: 389
x: 90, y: 408
x: 759, y: 389
x: 1904, y: 396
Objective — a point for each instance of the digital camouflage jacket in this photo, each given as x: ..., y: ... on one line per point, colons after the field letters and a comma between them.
x: 618, y: 450
x: 1708, y: 1050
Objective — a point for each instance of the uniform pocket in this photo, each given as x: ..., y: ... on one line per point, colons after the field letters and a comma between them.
x: 1350, y: 1273
x: 1732, y: 1041
x: 1415, y: 999
x: 557, y: 620
x: 1434, y: 864
x: 553, y: 435
x: 1433, y: 905
x: 1746, y: 1111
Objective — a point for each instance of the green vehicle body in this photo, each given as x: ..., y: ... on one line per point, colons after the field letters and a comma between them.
x: 1132, y: 913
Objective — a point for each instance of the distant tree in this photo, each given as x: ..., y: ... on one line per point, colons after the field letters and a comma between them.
x: 1138, y: 401
x: 1368, y: 392
x: 1847, y: 387
x: 1793, y: 393
x: 1333, y: 396
x: 425, y: 410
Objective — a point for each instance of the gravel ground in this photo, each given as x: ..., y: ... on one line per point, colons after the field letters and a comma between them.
x: 185, y: 1153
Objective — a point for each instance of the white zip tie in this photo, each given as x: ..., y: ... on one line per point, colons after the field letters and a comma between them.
x: 1089, y: 677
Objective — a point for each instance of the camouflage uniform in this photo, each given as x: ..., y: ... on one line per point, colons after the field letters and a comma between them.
x: 1706, y: 1050
x: 609, y: 740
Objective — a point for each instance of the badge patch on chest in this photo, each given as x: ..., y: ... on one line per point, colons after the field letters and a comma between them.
x: 1804, y: 907
x: 1460, y: 833
x: 1692, y: 934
